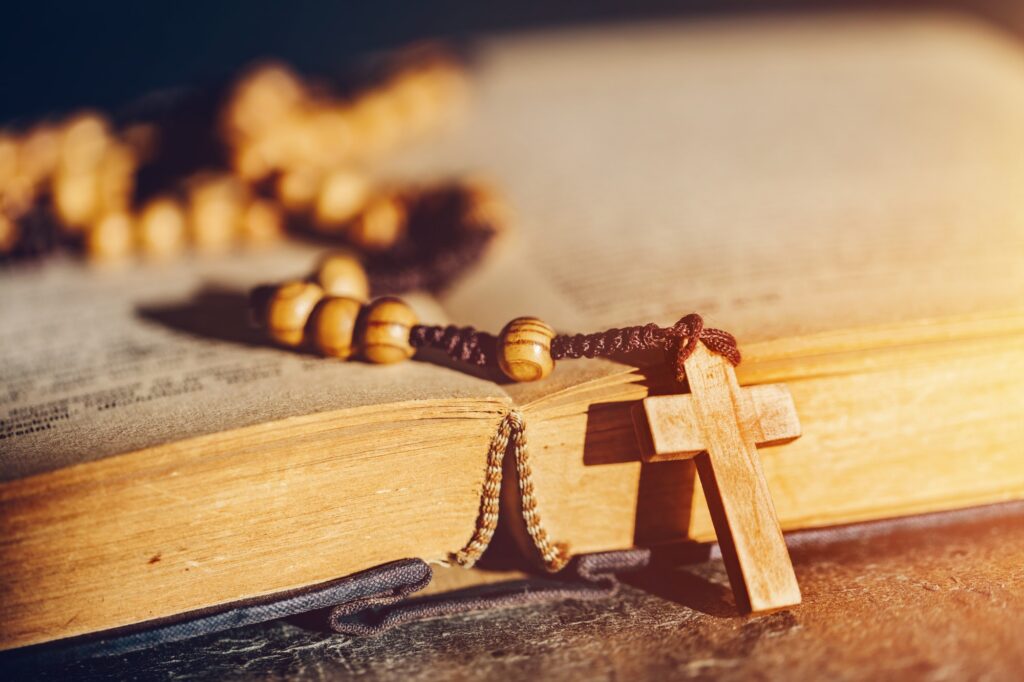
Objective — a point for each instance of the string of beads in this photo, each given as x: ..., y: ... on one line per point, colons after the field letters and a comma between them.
x: 276, y: 154
x: 329, y: 312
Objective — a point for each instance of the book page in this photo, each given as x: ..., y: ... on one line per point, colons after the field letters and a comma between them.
x: 779, y: 176
x: 100, y: 362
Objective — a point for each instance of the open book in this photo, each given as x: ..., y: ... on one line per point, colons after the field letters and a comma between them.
x: 842, y: 193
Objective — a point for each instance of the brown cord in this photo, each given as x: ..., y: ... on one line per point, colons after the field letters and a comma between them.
x: 462, y: 344
x: 680, y: 339
x: 467, y: 345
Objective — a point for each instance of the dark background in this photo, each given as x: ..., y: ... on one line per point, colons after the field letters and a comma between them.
x: 55, y: 57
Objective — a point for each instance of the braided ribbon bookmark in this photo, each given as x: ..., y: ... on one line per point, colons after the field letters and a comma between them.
x: 719, y: 425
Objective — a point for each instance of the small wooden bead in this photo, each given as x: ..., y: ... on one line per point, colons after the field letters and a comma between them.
x: 341, y: 274
x: 111, y: 238
x: 524, y: 349
x: 262, y: 222
x: 39, y: 153
x: 414, y: 96
x: 381, y: 223
x: 262, y: 98
x: 115, y: 177
x: 76, y: 197
x: 297, y: 189
x: 341, y: 196
x: 162, y: 228
x: 289, y: 310
x: 215, y: 213
x: 84, y: 138
x: 378, y: 123
x: 249, y: 164
x: 333, y: 326
x: 484, y: 207
x: 384, y: 336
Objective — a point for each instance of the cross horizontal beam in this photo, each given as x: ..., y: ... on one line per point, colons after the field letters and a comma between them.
x: 670, y: 428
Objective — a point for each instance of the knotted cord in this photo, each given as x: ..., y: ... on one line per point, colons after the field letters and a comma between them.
x: 472, y: 347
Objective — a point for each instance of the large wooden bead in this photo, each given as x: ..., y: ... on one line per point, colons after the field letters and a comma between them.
x: 524, y: 349
x: 385, y: 331
x: 341, y: 274
x: 289, y: 310
x: 333, y: 326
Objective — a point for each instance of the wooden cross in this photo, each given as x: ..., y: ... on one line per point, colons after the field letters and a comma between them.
x: 720, y: 424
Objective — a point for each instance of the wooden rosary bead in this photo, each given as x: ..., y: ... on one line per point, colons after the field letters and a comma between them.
x: 39, y: 153
x: 341, y: 274
x: 296, y: 189
x: 262, y: 98
x: 84, y: 138
x: 333, y: 324
x: 384, y: 331
x: 289, y: 310
x: 484, y: 207
x: 18, y: 195
x: 378, y: 123
x: 342, y: 195
x: 248, y: 163
x: 162, y: 228
x: 215, y: 212
x: 380, y: 224
x: 111, y: 238
x: 115, y: 177
x: 262, y: 222
x: 76, y: 197
x: 414, y: 98
x: 524, y: 349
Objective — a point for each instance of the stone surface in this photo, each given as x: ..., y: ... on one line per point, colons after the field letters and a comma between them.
x: 935, y: 598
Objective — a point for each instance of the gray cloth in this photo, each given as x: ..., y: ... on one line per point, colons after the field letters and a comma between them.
x: 365, y: 603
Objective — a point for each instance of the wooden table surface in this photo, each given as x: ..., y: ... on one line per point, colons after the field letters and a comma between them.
x: 932, y: 598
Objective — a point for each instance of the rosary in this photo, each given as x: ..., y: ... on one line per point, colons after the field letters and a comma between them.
x: 718, y: 423
x: 294, y: 152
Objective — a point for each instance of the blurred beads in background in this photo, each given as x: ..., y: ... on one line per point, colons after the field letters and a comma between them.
x: 295, y: 155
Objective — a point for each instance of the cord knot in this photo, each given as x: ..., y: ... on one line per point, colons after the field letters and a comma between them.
x: 684, y: 335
